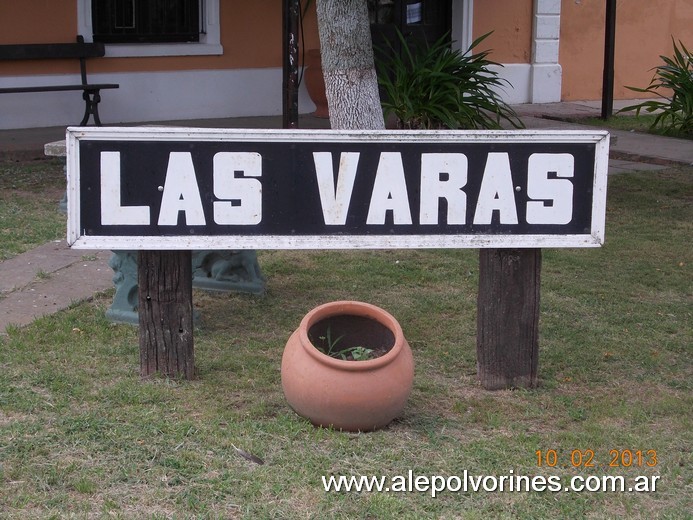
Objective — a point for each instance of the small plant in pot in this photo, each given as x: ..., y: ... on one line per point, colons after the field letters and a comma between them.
x: 348, y: 366
x: 354, y: 331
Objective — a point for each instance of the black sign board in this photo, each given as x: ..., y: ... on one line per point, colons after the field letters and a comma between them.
x: 177, y: 188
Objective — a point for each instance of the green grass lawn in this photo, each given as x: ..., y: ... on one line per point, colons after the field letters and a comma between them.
x: 630, y: 123
x: 81, y: 436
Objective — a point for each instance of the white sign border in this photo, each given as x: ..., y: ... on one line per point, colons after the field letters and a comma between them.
x: 77, y: 240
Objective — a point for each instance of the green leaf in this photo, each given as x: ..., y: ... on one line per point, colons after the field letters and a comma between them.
x: 433, y: 86
x: 673, y: 85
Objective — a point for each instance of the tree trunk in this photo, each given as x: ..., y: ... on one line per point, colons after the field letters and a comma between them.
x: 346, y: 50
x: 166, y: 314
x: 507, y: 344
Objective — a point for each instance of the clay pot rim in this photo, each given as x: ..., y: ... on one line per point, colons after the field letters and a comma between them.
x: 351, y: 308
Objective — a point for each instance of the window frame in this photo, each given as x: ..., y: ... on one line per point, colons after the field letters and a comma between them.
x: 209, y: 44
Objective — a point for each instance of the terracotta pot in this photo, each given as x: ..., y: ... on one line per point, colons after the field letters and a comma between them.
x: 315, y: 83
x: 348, y: 395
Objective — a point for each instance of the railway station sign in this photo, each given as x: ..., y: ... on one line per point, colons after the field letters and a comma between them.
x: 156, y: 188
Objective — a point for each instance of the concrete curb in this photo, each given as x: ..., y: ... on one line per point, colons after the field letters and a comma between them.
x: 49, y: 278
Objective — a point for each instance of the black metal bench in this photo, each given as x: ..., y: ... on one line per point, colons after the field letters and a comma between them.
x: 62, y: 51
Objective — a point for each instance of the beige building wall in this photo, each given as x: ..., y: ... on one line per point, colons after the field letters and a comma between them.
x: 250, y: 35
x: 511, y: 23
x: 550, y: 50
x: 644, y: 29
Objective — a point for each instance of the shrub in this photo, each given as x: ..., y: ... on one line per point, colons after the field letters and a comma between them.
x: 673, y: 83
x: 433, y: 87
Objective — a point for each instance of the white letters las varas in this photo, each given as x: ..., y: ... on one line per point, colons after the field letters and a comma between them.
x: 239, y: 199
x: 183, y: 188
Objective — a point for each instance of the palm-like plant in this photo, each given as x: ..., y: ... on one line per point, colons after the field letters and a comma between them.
x: 675, y: 77
x: 434, y: 87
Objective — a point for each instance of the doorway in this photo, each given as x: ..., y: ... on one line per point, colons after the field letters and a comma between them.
x: 417, y: 20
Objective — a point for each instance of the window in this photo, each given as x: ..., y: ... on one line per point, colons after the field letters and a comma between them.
x: 145, y: 21
x: 408, y: 12
x: 417, y: 20
x: 207, y: 31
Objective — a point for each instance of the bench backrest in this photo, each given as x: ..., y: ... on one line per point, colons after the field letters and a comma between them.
x: 55, y: 51
x: 50, y: 51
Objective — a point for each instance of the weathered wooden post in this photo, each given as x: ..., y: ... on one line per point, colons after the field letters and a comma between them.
x: 166, y: 314
x: 507, y: 339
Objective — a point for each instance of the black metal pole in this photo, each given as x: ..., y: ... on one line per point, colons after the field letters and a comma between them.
x: 290, y: 64
x: 609, y: 48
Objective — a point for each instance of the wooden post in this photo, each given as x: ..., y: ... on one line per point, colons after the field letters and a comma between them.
x: 508, y: 318
x: 165, y: 311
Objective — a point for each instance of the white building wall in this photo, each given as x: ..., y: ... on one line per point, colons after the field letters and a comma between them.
x: 545, y: 74
x: 150, y: 97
